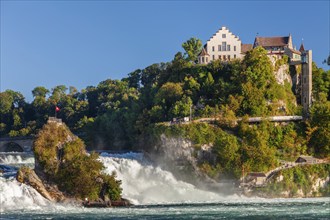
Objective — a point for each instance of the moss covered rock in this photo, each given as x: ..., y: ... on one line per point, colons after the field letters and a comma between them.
x: 61, y: 160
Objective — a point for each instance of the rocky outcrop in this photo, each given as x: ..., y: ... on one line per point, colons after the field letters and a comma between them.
x: 64, y: 172
x: 181, y: 157
x: 282, y: 75
x: 29, y: 177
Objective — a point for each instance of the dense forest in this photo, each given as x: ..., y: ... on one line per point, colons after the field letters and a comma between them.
x: 117, y: 113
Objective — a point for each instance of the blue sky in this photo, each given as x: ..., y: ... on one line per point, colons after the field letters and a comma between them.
x: 80, y: 43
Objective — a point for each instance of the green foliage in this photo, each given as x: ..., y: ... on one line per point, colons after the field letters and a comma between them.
x: 299, y: 177
x: 321, y: 82
x: 319, y: 129
x: 127, y: 113
x: 63, y: 158
x: 257, y: 154
x: 169, y: 93
x: 113, y: 189
x: 281, y: 62
x: 193, y: 47
x: 226, y: 147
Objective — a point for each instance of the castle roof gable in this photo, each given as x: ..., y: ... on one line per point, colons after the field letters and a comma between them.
x: 246, y: 47
x: 203, y: 53
x: 271, y: 41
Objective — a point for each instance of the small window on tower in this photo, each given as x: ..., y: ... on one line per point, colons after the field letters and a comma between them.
x: 234, y: 48
x: 223, y: 35
x: 213, y: 57
x: 213, y: 48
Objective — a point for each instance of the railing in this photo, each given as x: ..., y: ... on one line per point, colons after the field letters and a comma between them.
x: 53, y: 119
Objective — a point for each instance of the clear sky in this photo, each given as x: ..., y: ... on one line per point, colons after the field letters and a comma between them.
x: 80, y: 43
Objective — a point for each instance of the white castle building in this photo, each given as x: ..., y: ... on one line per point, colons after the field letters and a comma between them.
x: 223, y: 45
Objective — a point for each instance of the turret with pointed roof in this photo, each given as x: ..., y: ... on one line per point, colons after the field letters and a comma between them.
x: 203, y: 57
x: 302, y: 48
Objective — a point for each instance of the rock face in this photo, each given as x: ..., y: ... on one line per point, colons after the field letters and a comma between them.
x: 282, y: 75
x: 180, y: 156
x: 29, y: 177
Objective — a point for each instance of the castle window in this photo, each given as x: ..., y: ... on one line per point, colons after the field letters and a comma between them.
x: 234, y: 56
x: 223, y: 35
x: 224, y: 46
x: 213, y: 57
x: 207, y: 60
x: 234, y: 48
x: 219, y: 57
x: 228, y: 47
x: 202, y: 59
x: 213, y: 48
x: 228, y: 57
x: 219, y: 47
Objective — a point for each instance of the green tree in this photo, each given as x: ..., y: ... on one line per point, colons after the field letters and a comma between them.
x: 257, y: 68
x: 321, y: 82
x: 169, y: 93
x: 192, y: 47
x: 227, y: 148
x: 319, y: 128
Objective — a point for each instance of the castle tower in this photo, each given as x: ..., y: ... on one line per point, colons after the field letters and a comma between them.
x: 306, y: 81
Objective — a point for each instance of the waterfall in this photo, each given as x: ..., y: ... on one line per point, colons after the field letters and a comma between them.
x: 14, y: 196
x: 144, y: 183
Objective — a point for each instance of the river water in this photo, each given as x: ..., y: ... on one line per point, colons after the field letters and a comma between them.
x: 156, y: 193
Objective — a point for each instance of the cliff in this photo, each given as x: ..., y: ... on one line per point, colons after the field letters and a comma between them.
x: 208, y: 157
x: 300, y: 181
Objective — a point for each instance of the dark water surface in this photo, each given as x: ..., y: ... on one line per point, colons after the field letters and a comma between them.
x: 268, y: 209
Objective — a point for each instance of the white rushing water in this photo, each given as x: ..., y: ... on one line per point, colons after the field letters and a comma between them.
x: 144, y: 183
x: 15, y: 196
x: 14, y: 158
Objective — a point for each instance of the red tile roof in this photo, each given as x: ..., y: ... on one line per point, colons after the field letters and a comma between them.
x: 271, y: 41
x: 246, y: 47
x: 203, y: 53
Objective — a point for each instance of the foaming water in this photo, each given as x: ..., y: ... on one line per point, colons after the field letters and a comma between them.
x: 16, y: 158
x: 144, y: 183
x: 16, y: 196
x: 159, y: 195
